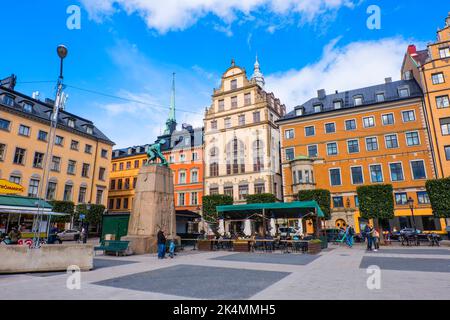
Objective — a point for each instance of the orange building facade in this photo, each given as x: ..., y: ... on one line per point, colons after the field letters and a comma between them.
x: 184, y: 152
x: 361, y: 137
x: 431, y: 69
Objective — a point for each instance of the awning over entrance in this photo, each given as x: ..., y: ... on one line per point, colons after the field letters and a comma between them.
x: 290, y: 210
x: 186, y: 214
x: 26, y: 205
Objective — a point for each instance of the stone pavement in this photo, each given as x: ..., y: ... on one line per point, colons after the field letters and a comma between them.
x: 337, y: 273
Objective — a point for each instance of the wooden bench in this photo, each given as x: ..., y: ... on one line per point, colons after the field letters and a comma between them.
x: 112, y: 246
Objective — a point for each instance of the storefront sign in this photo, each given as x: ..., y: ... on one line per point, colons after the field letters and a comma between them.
x: 7, y: 187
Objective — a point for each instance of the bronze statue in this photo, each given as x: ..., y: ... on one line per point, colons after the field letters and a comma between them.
x: 154, y: 153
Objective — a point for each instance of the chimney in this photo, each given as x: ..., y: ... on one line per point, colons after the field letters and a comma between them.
x: 36, y: 95
x: 412, y: 49
x: 388, y: 80
x: 321, y: 94
x: 447, y: 20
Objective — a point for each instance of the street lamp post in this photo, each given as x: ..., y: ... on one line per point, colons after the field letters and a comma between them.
x: 62, y: 54
x: 411, y: 206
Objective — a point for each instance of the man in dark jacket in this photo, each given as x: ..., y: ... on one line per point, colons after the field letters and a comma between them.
x: 368, y: 232
x: 161, y: 244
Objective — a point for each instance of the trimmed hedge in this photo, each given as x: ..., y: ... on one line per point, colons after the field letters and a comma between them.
x: 439, y: 192
x: 322, y: 196
x: 211, y: 202
x: 261, y: 198
x: 376, y: 201
x: 63, y: 207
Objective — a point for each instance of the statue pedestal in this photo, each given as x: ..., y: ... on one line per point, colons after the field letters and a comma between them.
x: 153, y: 209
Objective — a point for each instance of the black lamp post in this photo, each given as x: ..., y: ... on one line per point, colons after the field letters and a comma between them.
x: 411, y: 206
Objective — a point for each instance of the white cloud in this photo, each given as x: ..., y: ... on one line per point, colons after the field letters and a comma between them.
x: 352, y: 66
x: 171, y: 15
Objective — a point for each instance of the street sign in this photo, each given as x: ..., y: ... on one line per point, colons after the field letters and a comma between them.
x: 7, y: 187
x: 82, y: 216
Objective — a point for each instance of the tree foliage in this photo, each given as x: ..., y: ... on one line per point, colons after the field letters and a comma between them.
x: 211, y: 202
x: 94, y: 215
x: 376, y: 201
x: 321, y: 196
x: 439, y: 192
x: 261, y: 198
x: 62, y: 207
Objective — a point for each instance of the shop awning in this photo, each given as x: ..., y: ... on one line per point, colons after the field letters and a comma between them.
x: 26, y: 205
x: 296, y: 209
x: 187, y: 214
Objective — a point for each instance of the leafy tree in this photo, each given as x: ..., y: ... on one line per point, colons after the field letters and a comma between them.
x: 376, y: 202
x: 439, y: 192
x: 93, y: 216
x: 321, y: 196
x: 261, y: 198
x: 62, y: 207
x: 211, y: 202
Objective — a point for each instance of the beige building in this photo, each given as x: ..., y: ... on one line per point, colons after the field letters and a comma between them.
x: 242, y: 141
x: 81, y: 154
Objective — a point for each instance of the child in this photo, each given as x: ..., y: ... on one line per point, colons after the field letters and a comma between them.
x: 172, y: 249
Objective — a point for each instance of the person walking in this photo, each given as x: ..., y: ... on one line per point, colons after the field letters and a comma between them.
x: 376, y: 239
x: 350, y: 232
x: 172, y: 248
x: 161, y: 244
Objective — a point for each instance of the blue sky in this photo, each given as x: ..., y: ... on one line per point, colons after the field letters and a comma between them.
x: 130, y: 49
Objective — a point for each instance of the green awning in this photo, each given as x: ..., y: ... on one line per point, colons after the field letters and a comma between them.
x: 296, y: 209
x: 27, y: 202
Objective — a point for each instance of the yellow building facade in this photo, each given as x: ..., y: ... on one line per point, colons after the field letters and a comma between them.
x: 431, y: 69
x: 365, y: 136
x: 81, y: 154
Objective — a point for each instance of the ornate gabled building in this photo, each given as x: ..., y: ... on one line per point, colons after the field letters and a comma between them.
x: 431, y: 69
x: 242, y: 141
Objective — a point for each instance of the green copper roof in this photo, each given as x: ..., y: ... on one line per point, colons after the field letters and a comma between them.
x: 19, y: 201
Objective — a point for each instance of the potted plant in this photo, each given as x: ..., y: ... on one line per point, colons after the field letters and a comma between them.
x: 314, y: 246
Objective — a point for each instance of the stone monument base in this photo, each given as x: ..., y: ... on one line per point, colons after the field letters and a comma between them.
x: 141, y: 244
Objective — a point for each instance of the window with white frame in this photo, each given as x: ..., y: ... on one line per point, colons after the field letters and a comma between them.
x: 442, y: 102
x: 357, y: 175
x: 182, y: 177
x: 444, y: 53
x: 412, y: 138
x: 350, y: 124
x: 310, y: 131
x: 369, y: 122
x: 438, y: 78
x: 418, y: 169
x: 403, y: 92
x: 330, y: 127
x: 391, y: 141
x: 380, y: 97
x: 337, y: 104
x: 388, y: 119
x: 376, y: 173
x: 396, y: 171
x: 335, y: 177
x: 409, y: 116
x: 332, y: 149
x: 312, y: 151
x: 181, y: 199
x: 289, y: 134
x: 194, y: 176
x: 353, y: 146
x: 371, y: 144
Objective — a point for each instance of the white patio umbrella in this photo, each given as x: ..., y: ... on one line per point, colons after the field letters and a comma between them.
x: 247, y: 228
x: 300, y: 225
x: 221, y: 227
x: 273, y: 228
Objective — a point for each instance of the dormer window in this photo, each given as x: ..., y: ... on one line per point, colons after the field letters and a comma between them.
x: 380, y: 97
x: 358, y: 100
x: 299, y: 111
x: 233, y: 84
x: 27, y: 107
x: 403, y: 92
x: 444, y: 53
x: 8, y: 100
x: 317, y: 108
x: 337, y: 104
x: 89, y: 129
x: 71, y: 122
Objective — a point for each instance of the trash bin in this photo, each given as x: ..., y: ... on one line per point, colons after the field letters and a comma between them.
x: 324, y: 243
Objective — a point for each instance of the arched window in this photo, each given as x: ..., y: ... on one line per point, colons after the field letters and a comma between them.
x: 214, y: 162
x: 258, y: 156
x: 235, y: 157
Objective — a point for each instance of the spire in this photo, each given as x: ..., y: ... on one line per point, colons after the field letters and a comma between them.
x: 171, y: 123
x: 257, y: 76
